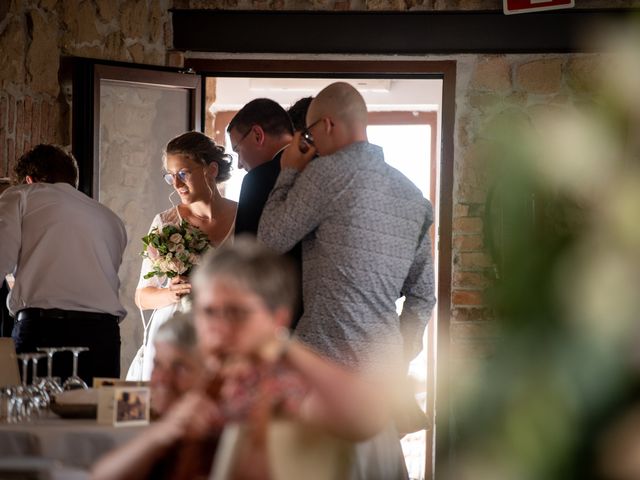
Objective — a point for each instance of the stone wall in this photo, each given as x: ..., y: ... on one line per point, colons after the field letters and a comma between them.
x: 34, y: 34
x: 487, y: 86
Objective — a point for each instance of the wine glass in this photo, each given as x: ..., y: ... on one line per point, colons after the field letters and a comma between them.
x: 24, y: 358
x: 41, y: 399
x: 5, y: 403
x: 14, y: 404
x: 23, y: 399
x: 49, y: 383
x: 74, y: 382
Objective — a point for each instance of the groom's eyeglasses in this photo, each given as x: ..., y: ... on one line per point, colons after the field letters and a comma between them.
x: 245, y: 135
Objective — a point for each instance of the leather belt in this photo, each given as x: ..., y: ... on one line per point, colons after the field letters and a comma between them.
x: 56, y: 313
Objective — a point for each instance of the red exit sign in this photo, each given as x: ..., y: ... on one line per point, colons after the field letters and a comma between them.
x: 526, y: 6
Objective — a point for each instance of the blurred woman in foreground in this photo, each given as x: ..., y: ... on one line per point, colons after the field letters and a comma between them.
x: 244, y: 296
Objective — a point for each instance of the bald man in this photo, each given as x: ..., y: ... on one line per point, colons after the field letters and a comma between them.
x: 365, y: 242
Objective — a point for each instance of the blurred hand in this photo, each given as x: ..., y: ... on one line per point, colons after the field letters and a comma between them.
x: 194, y: 416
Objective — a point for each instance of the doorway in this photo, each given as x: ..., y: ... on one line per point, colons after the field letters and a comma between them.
x: 406, y: 119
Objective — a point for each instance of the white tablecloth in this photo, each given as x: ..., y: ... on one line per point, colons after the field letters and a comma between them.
x: 74, y: 443
x: 37, y: 468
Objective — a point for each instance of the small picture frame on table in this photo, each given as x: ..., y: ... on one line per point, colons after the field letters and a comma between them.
x: 124, y: 406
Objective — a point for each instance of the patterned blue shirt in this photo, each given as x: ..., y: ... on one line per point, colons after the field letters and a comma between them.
x: 365, y: 243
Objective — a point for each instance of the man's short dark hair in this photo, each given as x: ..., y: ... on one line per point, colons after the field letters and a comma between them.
x: 271, y: 117
x: 47, y: 164
x: 298, y: 113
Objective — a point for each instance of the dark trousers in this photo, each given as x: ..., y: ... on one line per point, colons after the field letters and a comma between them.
x: 6, y: 320
x: 36, y: 327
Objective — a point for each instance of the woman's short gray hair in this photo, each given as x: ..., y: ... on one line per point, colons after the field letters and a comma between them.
x: 178, y: 331
x: 270, y: 276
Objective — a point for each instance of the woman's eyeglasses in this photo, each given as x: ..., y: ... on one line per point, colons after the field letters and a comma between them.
x: 306, y: 133
x: 182, y: 175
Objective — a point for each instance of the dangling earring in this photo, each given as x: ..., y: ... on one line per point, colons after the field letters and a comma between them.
x: 210, y: 190
x: 206, y: 181
x: 171, y: 199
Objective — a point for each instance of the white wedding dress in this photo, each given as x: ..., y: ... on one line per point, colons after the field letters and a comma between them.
x: 142, y: 364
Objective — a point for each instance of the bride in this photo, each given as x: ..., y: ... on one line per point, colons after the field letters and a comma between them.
x: 194, y: 165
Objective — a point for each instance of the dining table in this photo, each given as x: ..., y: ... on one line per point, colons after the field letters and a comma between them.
x: 54, y: 443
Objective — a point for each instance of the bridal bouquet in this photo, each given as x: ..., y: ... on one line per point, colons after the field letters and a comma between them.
x: 174, y: 249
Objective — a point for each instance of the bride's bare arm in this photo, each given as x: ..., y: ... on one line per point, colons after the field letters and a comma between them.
x: 149, y: 298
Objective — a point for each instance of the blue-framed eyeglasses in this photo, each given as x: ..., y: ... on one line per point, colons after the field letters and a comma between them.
x: 182, y: 175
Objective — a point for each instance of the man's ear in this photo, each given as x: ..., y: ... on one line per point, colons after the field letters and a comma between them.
x: 29, y: 180
x: 328, y: 125
x: 282, y: 317
x: 259, y: 134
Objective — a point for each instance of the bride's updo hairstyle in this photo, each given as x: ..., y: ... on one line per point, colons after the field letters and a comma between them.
x: 201, y: 149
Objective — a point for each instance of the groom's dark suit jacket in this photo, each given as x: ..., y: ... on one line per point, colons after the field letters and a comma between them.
x: 256, y: 187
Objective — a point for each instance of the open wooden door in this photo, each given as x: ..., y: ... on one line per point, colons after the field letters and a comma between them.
x: 122, y: 117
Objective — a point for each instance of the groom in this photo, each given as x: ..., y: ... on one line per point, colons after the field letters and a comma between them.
x: 64, y: 249
x: 259, y: 133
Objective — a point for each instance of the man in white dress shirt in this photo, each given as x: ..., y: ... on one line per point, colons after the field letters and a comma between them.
x: 64, y: 250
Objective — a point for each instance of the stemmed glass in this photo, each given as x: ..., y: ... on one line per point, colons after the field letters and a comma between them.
x: 41, y: 399
x: 24, y: 358
x: 74, y: 382
x: 22, y: 399
x: 49, y: 383
x: 15, y: 404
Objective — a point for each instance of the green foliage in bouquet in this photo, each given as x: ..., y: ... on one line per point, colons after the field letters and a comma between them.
x: 174, y: 249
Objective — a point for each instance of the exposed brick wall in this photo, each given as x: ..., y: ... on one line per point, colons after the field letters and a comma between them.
x: 34, y: 34
x: 25, y: 121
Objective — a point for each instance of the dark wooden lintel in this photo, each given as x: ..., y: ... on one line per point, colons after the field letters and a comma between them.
x: 402, y: 33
